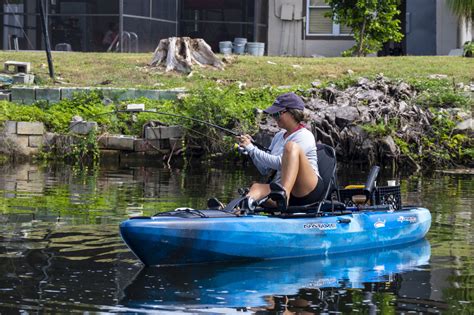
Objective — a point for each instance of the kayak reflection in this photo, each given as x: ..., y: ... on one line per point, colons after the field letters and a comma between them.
x: 247, y: 285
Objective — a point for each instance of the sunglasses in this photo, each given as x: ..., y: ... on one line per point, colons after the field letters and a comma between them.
x: 277, y: 115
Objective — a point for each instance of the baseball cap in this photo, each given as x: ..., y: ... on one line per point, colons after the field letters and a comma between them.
x: 285, y: 101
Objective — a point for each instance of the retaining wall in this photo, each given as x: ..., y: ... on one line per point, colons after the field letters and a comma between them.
x: 28, y: 94
x: 26, y: 139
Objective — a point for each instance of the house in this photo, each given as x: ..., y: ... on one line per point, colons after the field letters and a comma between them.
x: 287, y: 27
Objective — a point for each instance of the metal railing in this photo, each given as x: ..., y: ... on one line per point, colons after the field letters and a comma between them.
x: 129, y: 41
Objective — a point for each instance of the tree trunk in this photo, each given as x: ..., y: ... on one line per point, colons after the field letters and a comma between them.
x: 181, y: 53
x: 361, y: 39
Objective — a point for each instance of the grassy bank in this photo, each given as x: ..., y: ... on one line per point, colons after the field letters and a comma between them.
x: 131, y: 70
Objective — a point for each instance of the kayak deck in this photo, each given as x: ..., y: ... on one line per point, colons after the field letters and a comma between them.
x: 167, y: 239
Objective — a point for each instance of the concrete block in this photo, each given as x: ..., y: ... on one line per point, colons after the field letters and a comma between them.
x: 5, y: 96
x: 18, y: 66
x: 23, y: 95
x: 176, y: 143
x: 170, y: 94
x: 82, y: 127
x: 21, y: 145
x: 9, y: 127
x: 118, y: 93
x: 52, y: 95
x: 23, y: 78
x: 29, y: 128
x: 128, y: 94
x: 68, y: 93
x: 143, y: 145
x: 120, y: 142
x: 163, y: 132
x: 168, y: 132
x: 109, y: 157
x: 150, y: 94
x: 35, y: 141
x: 20, y: 140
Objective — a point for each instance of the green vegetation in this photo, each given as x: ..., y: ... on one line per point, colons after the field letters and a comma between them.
x: 373, y: 23
x: 131, y: 70
x: 218, y: 96
x: 468, y: 49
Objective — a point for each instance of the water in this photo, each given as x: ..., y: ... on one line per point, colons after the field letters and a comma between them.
x: 60, y: 249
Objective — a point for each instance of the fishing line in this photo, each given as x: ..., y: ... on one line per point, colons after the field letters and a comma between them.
x: 229, y: 131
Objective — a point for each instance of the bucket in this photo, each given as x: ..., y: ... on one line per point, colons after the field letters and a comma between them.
x: 239, y: 49
x: 226, y: 51
x: 256, y: 48
x: 240, y: 40
x: 225, y: 46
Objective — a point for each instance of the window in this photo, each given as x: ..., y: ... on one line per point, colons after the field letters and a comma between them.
x: 320, y: 25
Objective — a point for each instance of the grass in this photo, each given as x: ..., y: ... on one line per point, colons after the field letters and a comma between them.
x: 131, y: 70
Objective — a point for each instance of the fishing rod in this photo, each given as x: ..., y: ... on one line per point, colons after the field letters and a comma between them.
x: 229, y: 131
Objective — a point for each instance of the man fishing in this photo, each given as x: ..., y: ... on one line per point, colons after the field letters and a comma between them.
x: 292, y: 155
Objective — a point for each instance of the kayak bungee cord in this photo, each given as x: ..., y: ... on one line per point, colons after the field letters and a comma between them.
x: 229, y: 131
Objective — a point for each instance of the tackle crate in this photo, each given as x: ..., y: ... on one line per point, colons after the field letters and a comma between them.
x: 389, y: 195
x: 383, y: 195
x: 345, y: 195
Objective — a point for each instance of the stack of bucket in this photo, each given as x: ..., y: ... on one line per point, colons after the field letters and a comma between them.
x: 239, y: 47
x: 255, y: 48
x: 225, y: 47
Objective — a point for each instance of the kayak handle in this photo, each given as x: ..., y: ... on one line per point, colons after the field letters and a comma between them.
x: 344, y: 221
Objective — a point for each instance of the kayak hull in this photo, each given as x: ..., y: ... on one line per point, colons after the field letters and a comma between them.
x: 170, y: 240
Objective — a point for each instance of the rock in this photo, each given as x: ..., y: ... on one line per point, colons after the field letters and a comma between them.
x: 363, y: 81
x: 370, y: 95
x: 389, y: 148
x: 465, y: 127
x: 346, y: 115
x: 329, y: 94
x: 316, y: 84
x: 437, y: 76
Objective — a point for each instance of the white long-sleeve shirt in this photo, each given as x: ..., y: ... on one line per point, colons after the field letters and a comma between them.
x: 265, y: 162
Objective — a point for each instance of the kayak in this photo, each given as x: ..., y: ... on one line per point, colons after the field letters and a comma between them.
x: 248, y: 284
x: 200, y: 236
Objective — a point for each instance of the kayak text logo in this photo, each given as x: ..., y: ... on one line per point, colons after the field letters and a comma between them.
x: 320, y: 226
x: 406, y: 219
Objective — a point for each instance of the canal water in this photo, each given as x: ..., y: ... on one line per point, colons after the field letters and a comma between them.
x: 60, y: 250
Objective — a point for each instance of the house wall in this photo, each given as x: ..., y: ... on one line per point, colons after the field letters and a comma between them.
x: 286, y: 37
x: 446, y: 29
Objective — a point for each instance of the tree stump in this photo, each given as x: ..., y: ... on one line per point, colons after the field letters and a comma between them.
x: 181, y: 53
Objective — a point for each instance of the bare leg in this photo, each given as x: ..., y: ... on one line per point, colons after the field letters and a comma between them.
x: 297, y: 175
x: 258, y: 191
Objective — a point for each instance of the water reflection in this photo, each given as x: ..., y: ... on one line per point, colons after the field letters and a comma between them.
x: 252, y: 285
x: 60, y: 250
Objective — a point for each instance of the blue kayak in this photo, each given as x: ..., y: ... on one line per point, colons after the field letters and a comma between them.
x: 217, y: 236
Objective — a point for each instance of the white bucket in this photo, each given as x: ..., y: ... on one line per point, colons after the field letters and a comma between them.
x: 256, y: 48
x: 239, y: 49
x: 225, y: 46
x: 226, y: 51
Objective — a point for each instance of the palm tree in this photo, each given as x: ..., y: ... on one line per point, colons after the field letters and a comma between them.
x: 464, y: 9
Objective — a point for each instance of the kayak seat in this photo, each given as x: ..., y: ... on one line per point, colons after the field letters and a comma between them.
x: 327, y: 165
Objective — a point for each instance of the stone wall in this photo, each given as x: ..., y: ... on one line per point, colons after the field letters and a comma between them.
x: 26, y: 139
x: 28, y: 94
x: 22, y: 138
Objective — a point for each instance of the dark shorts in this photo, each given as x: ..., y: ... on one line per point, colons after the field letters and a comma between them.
x: 314, y: 196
